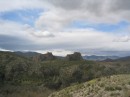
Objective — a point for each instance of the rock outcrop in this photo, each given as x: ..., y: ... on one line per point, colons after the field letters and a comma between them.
x: 44, y: 57
x: 74, y: 57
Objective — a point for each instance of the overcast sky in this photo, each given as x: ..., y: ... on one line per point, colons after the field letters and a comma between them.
x: 62, y: 26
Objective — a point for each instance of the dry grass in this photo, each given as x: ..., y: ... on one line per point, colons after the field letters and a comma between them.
x: 113, y: 86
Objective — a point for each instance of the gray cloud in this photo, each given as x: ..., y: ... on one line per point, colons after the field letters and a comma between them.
x: 66, y: 4
x: 13, y: 43
x: 103, y: 9
x: 92, y: 5
x: 120, y: 5
x: 63, y: 12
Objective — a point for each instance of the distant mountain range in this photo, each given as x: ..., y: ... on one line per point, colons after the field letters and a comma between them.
x: 100, y: 58
x: 91, y: 57
x: 123, y: 59
x: 49, y: 56
x: 26, y: 54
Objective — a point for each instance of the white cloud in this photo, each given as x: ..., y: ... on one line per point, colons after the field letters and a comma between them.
x: 82, y: 39
x: 56, y: 52
x: 1, y: 49
x: 59, y: 13
x: 51, y: 21
x: 10, y: 28
x: 42, y: 34
x: 122, y: 39
x: 73, y: 39
x: 62, y: 12
x: 7, y: 5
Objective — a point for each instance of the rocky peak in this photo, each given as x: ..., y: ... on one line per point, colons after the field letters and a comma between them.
x: 74, y: 57
x: 44, y: 57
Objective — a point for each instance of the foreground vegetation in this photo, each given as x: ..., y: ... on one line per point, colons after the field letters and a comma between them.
x: 25, y: 90
x: 111, y: 86
x: 23, y: 77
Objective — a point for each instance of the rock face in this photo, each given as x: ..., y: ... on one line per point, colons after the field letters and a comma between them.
x: 44, y: 57
x: 74, y: 57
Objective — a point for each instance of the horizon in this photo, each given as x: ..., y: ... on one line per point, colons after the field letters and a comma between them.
x: 65, y: 53
x: 93, y: 27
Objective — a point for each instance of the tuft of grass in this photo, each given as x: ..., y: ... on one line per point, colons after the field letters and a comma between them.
x: 109, y: 88
x: 115, y: 94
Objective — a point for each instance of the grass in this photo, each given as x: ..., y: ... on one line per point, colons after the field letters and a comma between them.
x: 24, y: 91
x: 113, y: 86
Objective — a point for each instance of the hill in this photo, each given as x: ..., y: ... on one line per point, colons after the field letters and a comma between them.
x: 44, y: 57
x: 74, y: 57
x: 26, y: 54
x: 111, y: 86
x: 124, y: 59
x: 99, y: 58
x: 22, y: 76
x: 15, y: 68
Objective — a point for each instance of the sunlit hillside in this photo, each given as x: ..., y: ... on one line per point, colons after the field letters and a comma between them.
x: 110, y: 86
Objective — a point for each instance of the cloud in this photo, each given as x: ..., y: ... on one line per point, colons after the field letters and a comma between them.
x: 121, y: 5
x: 57, y: 52
x: 122, y: 39
x: 7, y: 5
x: 16, y: 36
x: 67, y: 4
x: 51, y: 30
x: 62, y: 12
x: 42, y: 34
x: 14, y: 43
x: 58, y: 14
x: 51, y: 21
x: 82, y: 39
x: 1, y: 49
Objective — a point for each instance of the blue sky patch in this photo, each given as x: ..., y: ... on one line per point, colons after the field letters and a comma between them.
x: 27, y: 16
x: 100, y: 27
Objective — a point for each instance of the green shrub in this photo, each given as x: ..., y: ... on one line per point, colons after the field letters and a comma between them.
x: 115, y: 94
x: 118, y: 88
x: 109, y: 88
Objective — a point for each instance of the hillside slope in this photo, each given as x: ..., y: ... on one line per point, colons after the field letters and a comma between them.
x: 26, y: 54
x: 124, y: 59
x: 20, y: 74
x: 15, y: 68
x: 112, y: 86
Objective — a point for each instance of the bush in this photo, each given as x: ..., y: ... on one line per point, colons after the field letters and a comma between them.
x: 118, y: 88
x: 109, y: 88
x: 2, y: 73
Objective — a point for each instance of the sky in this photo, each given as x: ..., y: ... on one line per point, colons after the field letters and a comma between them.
x: 92, y: 27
